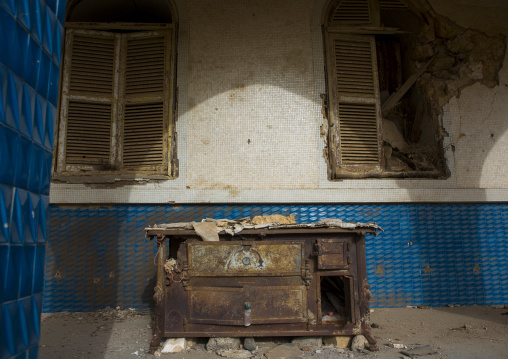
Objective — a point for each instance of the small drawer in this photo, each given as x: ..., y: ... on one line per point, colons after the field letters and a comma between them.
x: 332, y: 254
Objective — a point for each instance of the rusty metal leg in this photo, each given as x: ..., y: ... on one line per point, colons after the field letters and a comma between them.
x: 372, y: 341
x: 158, y: 297
x: 157, y: 336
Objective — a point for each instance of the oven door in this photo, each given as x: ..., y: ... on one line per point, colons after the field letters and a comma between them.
x: 227, y: 305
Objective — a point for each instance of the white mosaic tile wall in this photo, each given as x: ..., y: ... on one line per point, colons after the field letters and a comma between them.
x: 251, y: 118
x: 250, y: 75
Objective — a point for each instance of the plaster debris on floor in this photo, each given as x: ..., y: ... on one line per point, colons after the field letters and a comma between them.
x: 464, y: 332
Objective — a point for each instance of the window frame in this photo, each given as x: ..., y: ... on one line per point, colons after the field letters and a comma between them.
x: 355, y: 31
x: 119, y: 99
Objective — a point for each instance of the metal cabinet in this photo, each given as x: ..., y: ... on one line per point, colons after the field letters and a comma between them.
x: 278, y: 282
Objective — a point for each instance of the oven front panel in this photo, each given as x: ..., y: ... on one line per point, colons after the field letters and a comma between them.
x: 283, y: 280
x: 247, y: 258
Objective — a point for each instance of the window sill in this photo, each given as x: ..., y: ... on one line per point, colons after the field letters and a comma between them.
x: 432, y: 175
x: 99, y: 178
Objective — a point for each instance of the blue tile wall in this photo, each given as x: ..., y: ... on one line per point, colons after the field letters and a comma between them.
x: 429, y: 254
x: 30, y: 50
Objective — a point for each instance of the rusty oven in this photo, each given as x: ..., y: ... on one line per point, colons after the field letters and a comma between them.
x: 277, y: 282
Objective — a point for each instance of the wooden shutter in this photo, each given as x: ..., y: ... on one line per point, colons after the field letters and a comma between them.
x: 355, y: 102
x: 88, y: 133
x: 354, y: 12
x: 146, y: 120
x: 88, y: 101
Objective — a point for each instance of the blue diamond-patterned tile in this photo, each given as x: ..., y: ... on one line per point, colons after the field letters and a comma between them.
x: 9, y: 148
x: 23, y: 158
x: 11, y: 279
x: 416, y: 237
x: 43, y: 78
x: 39, y: 120
x: 25, y: 312
x: 52, y: 4
x: 36, y: 303
x: 33, y: 352
x: 6, y: 193
x: 26, y: 272
x: 36, y: 16
x: 3, y: 92
x: 4, y: 265
x: 45, y: 169
x: 18, y: 48
x: 13, y: 96
x: 17, y: 326
x: 27, y: 104
x: 42, y: 212
x: 48, y: 25
x: 9, y: 5
x: 34, y: 168
x: 7, y: 344
x: 16, y: 225
x: 49, y: 125
x: 53, y: 87
x: 23, y: 13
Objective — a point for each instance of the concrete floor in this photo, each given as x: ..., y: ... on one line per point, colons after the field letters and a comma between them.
x: 458, y: 332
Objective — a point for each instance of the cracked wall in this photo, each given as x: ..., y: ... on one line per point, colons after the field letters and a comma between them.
x: 479, y: 126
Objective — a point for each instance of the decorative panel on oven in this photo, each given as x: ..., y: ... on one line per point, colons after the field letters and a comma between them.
x: 244, y: 259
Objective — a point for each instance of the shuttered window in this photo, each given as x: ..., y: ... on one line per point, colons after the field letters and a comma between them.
x: 354, y: 106
x: 357, y: 101
x: 116, y: 103
x: 351, y: 12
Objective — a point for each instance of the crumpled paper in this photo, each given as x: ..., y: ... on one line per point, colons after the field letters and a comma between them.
x: 208, y: 229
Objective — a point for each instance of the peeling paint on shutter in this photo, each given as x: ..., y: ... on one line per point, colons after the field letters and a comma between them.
x: 88, y: 133
x: 115, y: 116
x: 86, y: 128
x: 145, y: 65
x: 356, y: 101
x: 92, y: 64
x: 353, y: 61
x: 143, y: 130
x: 351, y: 12
x: 145, y: 144
x: 358, y: 134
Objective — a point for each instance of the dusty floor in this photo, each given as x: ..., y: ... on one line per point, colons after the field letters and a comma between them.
x: 458, y: 332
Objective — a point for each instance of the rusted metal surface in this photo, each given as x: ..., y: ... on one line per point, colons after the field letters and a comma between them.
x: 332, y: 254
x: 306, y: 282
x: 244, y: 258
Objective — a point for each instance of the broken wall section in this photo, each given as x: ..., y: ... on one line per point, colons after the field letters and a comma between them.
x: 453, y: 58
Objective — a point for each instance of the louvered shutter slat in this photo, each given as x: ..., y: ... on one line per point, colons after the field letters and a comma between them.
x: 358, y: 144
x: 353, y: 62
x: 144, y: 125
x: 351, y: 12
x: 145, y: 65
x: 116, y: 101
x: 88, y: 74
x: 143, y: 135
x: 88, y: 133
x: 357, y: 102
x: 92, y: 60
